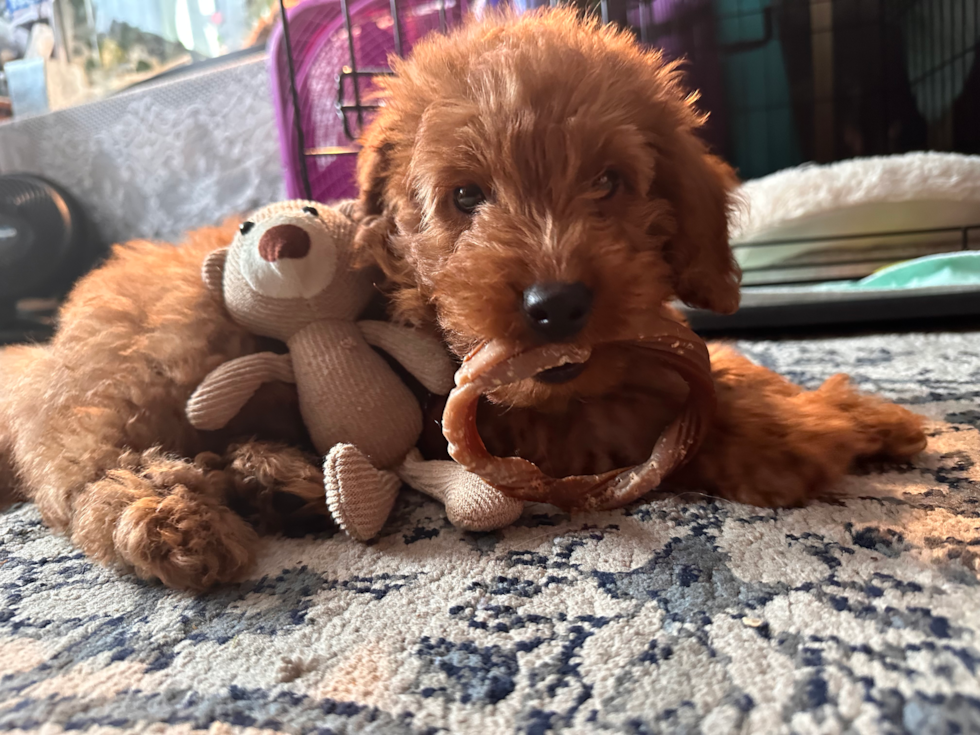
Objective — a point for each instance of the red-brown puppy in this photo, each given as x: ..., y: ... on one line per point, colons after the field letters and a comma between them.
x: 540, y: 179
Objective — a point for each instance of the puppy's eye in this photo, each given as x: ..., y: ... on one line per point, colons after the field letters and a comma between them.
x: 311, y: 210
x: 606, y: 185
x: 468, y: 198
x: 246, y: 227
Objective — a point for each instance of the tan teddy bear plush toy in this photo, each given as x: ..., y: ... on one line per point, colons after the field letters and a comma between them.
x: 288, y: 275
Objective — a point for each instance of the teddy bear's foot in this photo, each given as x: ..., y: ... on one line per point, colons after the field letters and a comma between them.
x: 471, y: 504
x: 359, y: 495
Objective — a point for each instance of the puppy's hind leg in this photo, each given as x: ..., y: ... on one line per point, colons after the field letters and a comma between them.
x: 774, y: 444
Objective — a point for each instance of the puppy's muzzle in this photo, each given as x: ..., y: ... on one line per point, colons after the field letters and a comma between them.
x: 557, y: 312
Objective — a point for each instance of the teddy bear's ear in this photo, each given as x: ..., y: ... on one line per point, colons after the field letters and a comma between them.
x: 213, y: 271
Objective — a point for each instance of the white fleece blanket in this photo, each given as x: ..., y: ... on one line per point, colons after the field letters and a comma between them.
x: 888, y: 194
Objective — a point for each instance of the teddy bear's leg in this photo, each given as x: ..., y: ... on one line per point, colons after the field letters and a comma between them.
x: 360, y: 496
x: 471, y: 504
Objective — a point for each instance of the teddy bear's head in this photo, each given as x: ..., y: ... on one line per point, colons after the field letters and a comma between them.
x: 288, y: 266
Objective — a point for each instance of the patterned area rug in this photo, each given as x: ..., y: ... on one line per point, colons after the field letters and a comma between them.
x: 675, y: 615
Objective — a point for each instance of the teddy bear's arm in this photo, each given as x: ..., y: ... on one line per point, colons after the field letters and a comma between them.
x: 420, y: 353
x: 226, y: 390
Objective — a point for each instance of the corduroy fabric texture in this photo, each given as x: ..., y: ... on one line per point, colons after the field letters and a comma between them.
x: 230, y: 386
x: 359, y: 495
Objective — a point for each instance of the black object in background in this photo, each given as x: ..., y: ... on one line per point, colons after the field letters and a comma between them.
x: 46, y: 244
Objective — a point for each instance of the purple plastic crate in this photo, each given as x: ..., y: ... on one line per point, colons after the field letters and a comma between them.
x: 322, y: 60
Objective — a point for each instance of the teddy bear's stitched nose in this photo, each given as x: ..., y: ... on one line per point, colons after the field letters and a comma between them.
x: 284, y: 241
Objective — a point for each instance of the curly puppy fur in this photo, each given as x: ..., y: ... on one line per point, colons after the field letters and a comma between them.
x: 92, y: 427
x: 538, y: 111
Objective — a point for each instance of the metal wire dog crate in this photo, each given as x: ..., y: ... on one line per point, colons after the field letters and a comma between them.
x: 784, y: 81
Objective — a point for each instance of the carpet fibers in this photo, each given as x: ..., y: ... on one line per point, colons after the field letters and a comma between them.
x: 674, y: 615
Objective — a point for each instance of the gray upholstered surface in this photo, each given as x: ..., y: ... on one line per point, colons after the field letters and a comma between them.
x: 675, y: 615
x: 161, y: 159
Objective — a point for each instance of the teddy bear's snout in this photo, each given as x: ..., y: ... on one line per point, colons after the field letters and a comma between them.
x: 284, y: 241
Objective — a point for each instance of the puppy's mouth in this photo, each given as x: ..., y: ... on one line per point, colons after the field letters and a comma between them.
x: 561, y: 374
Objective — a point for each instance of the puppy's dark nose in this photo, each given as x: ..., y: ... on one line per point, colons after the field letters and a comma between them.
x: 284, y: 241
x: 557, y: 311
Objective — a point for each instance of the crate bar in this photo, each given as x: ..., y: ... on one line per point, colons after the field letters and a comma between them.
x: 345, y: 9
x: 871, y: 260
x: 963, y: 230
x: 443, y: 26
x: 822, y: 52
x: 338, y: 150
x: 396, y: 28
x: 884, y: 19
x: 644, y: 22
x: 348, y: 108
x: 297, y: 117
x: 614, y: 11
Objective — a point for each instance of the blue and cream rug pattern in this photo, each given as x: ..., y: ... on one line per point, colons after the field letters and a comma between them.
x: 676, y: 615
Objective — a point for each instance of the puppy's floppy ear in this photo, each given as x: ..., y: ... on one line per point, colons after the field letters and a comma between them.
x: 374, y: 213
x: 698, y: 186
x: 378, y: 241
x: 372, y: 172
x: 213, y: 272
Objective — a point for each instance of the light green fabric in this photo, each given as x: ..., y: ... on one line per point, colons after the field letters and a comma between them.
x: 946, y: 269
x: 931, y: 271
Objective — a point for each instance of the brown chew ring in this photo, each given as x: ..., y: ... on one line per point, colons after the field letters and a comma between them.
x: 492, y: 365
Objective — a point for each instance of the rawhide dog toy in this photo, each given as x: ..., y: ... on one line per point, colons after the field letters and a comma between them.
x: 497, y: 363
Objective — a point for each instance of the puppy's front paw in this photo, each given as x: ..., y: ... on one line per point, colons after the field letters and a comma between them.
x: 185, y: 542
x: 173, y: 534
